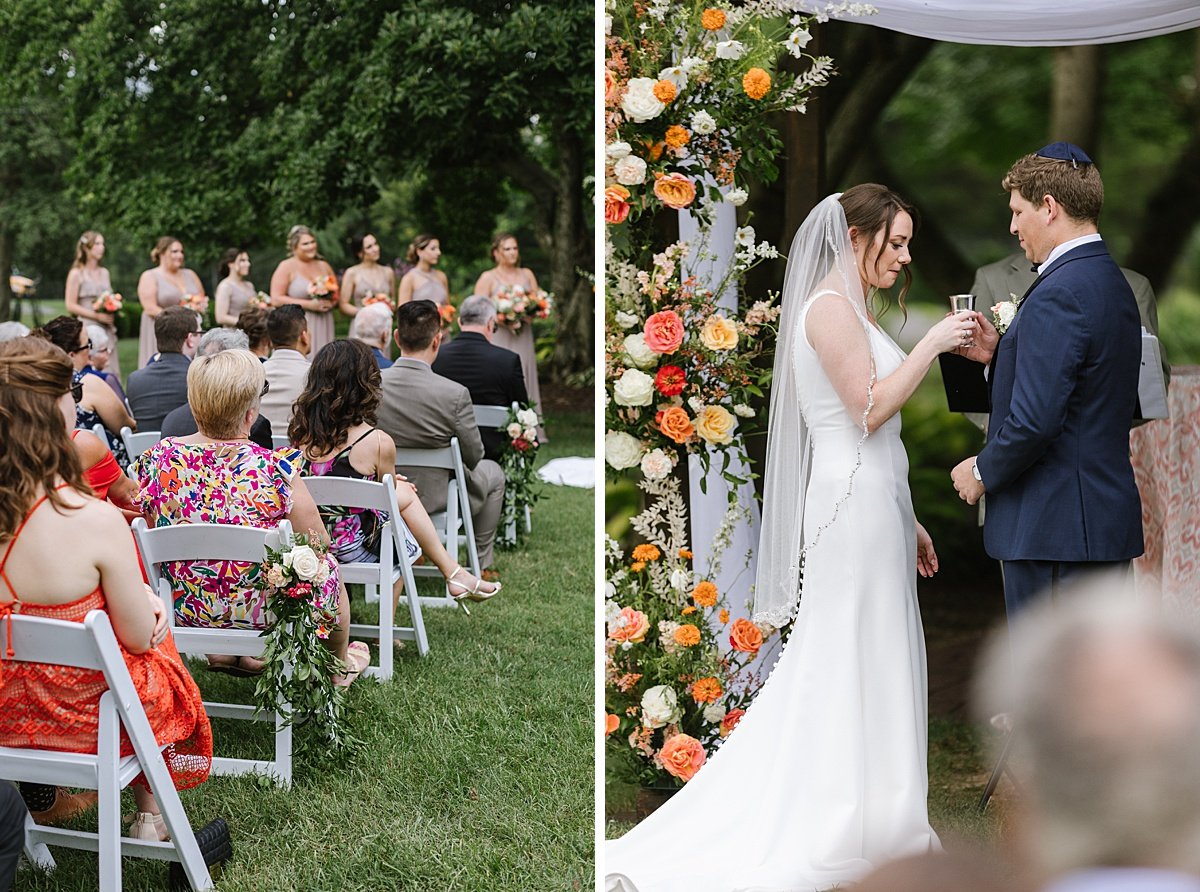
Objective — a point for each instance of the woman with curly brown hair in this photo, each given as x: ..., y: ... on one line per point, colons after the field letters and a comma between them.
x: 100, y: 571
x: 334, y: 425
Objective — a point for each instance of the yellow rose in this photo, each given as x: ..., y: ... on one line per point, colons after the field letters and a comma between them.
x: 715, y: 424
x: 718, y: 333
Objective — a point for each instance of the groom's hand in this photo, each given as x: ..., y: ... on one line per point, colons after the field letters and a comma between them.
x: 969, y: 489
x: 985, y: 342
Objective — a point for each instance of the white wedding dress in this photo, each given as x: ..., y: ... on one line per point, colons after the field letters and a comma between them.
x: 825, y: 777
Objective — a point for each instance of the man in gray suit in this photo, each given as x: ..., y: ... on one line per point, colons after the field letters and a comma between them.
x: 161, y: 386
x: 287, y: 367
x: 422, y: 410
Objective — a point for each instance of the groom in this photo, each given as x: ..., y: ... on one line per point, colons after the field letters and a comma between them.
x: 1063, y: 383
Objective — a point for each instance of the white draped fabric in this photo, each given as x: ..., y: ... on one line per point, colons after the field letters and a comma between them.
x: 1034, y: 22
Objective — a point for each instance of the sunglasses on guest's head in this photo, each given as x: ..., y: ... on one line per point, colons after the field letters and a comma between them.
x: 87, y: 346
x: 77, y: 391
x: 266, y: 388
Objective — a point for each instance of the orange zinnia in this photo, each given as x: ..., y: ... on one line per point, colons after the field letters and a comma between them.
x: 712, y: 19
x: 756, y: 83
x: 637, y: 566
x: 688, y: 611
x: 677, y: 136
x: 646, y: 553
x: 687, y: 636
x: 705, y: 594
x: 707, y: 690
x: 723, y: 616
x: 664, y: 91
x: 685, y: 554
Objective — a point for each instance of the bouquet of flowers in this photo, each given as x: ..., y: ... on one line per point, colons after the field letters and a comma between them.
x: 449, y: 313
x: 325, y: 288
x: 197, y: 302
x: 515, y: 306
x: 261, y: 299
x: 109, y: 302
x: 298, y: 673
x: 379, y: 297
x: 520, y: 480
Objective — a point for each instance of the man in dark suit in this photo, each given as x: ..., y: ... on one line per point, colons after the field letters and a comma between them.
x: 1063, y: 382
x: 492, y: 374
x: 162, y: 385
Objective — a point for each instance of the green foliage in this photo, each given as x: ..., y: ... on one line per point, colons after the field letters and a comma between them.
x: 1179, y: 326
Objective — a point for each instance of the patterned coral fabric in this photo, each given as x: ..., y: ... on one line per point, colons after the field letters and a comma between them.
x: 232, y: 483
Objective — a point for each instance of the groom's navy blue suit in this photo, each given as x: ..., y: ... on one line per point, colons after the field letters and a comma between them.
x: 1060, y: 488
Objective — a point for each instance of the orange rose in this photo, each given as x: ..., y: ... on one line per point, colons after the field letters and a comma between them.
x: 677, y: 136
x: 687, y: 636
x: 664, y: 91
x: 646, y: 552
x: 610, y: 89
x: 611, y: 723
x: 631, y: 625
x: 616, y: 208
x: 663, y: 331
x: 674, y: 423
x: 745, y: 636
x: 682, y: 756
x: 674, y: 190
x: 707, y: 690
x: 756, y: 83
x: 730, y: 721
x: 705, y: 594
x: 712, y: 19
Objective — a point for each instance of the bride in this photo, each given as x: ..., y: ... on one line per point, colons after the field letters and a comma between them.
x: 825, y: 776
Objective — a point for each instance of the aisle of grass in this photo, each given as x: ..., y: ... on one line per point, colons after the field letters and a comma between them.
x: 477, y: 774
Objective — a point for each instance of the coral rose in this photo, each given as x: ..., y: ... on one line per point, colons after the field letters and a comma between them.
x: 715, y: 424
x: 718, y: 333
x: 670, y: 380
x: 682, y: 756
x: 663, y: 331
x: 610, y: 89
x: 611, y: 723
x: 616, y: 207
x: 664, y: 91
x: 630, y: 625
x: 677, y: 136
x: 745, y: 636
x: 707, y: 690
x: 687, y: 636
x: 674, y: 190
x: 705, y: 594
x: 731, y: 721
x: 674, y: 423
x: 756, y: 83
x: 712, y: 19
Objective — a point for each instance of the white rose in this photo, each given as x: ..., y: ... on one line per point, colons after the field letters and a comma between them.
x: 737, y: 197
x: 744, y: 236
x: 630, y: 170
x: 616, y: 151
x: 627, y: 320
x: 1006, y: 310
x: 675, y: 75
x: 730, y: 49
x: 305, y: 562
x: 621, y: 450
x: 681, y: 580
x: 640, y: 104
x: 656, y: 465
x: 714, y: 712
x: 743, y: 411
x: 634, y: 388
x: 527, y: 418
x: 607, y: 24
x: 660, y: 706
x: 504, y: 305
x: 703, y: 123
x: 530, y: 434
x: 637, y: 351
x: 513, y: 431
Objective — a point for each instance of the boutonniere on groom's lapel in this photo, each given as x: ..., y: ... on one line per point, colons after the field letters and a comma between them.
x: 1003, y: 312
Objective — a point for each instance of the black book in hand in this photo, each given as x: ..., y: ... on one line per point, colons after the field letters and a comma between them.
x: 966, y: 388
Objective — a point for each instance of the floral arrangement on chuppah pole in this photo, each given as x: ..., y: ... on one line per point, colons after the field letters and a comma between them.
x: 688, y: 90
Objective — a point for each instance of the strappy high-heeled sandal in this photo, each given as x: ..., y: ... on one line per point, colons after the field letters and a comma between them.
x: 469, y: 594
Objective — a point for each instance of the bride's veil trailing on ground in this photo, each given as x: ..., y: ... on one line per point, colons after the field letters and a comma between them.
x: 821, y: 260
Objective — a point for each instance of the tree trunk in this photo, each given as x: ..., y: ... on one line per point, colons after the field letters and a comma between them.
x: 576, y: 307
x: 1170, y: 216
x: 1075, y: 103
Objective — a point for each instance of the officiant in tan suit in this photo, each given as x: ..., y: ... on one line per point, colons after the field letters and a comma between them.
x: 422, y: 410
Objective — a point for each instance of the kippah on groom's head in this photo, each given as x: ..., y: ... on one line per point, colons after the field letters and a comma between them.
x: 1064, y: 151
x: 1065, y: 172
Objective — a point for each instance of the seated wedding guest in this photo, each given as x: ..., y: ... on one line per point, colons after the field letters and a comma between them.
x: 287, y: 367
x: 161, y: 386
x: 55, y: 707
x: 102, y: 473
x: 97, y: 403
x: 1104, y: 692
x: 492, y: 374
x: 181, y: 422
x: 952, y: 870
x: 373, y: 326
x: 422, y: 410
x: 177, y: 478
x: 14, y: 329
x: 100, y: 356
x: 12, y: 834
x: 334, y: 426
x: 253, y: 321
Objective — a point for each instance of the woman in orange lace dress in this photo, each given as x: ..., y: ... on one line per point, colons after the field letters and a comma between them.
x: 44, y: 503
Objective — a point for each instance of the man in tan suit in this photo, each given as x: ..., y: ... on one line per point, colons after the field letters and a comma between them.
x: 287, y: 367
x: 422, y: 410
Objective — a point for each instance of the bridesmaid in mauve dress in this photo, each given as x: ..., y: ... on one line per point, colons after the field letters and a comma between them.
x: 293, y: 278
x: 367, y: 277
x: 507, y: 273
x: 86, y: 281
x: 234, y: 291
x: 164, y: 286
x: 423, y: 282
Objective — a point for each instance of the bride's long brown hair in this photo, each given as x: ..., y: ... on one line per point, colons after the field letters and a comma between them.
x: 869, y: 208
x: 37, y: 451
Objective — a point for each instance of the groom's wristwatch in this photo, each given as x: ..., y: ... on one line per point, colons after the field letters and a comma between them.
x: 975, y: 472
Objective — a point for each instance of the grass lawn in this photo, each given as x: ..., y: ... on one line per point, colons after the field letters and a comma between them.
x: 477, y: 774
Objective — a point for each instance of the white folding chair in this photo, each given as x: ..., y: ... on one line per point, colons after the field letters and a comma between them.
x: 136, y: 444
x: 496, y: 417
x: 219, y: 542
x: 92, y: 645
x: 278, y: 441
x: 454, y: 523
x: 346, y: 492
